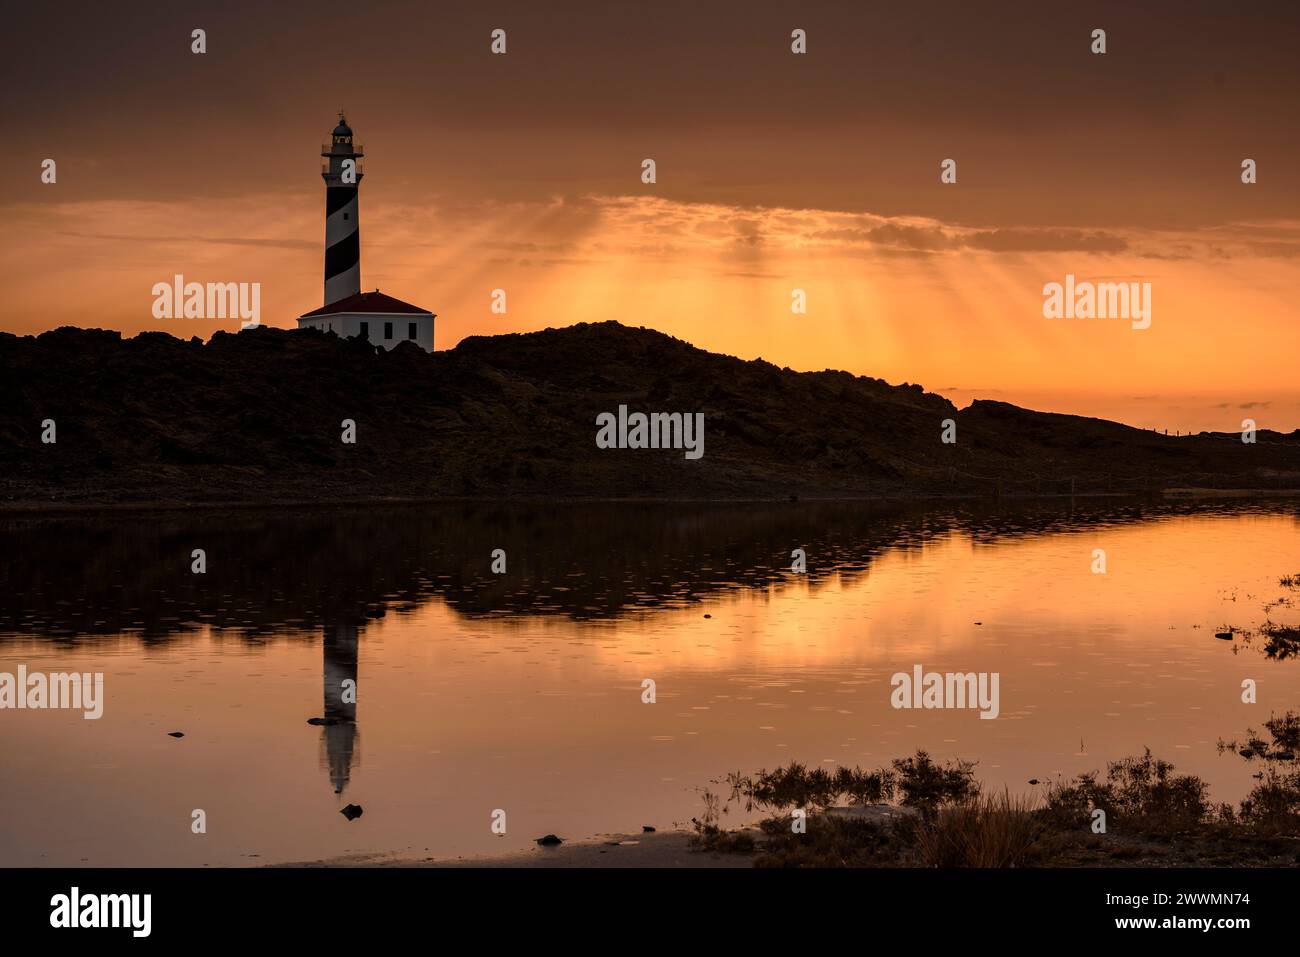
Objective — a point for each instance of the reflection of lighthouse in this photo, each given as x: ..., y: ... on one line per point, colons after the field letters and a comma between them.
x: 339, y: 739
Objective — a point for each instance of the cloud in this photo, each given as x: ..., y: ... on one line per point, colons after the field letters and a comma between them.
x: 219, y: 240
x: 648, y: 221
x: 927, y: 239
x: 1045, y: 240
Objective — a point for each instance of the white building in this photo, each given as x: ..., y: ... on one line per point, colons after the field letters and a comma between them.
x: 381, y: 319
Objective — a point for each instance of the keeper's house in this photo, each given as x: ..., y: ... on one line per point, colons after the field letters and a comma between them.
x: 381, y: 319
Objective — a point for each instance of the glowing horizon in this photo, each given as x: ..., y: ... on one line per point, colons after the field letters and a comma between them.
x: 775, y: 172
x: 905, y: 299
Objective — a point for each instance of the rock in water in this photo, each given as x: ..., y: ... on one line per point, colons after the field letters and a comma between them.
x: 351, y: 812
x: 175, y: 734
x: 1225, y: 635
x: 550, y: 840
x: 647, y: 829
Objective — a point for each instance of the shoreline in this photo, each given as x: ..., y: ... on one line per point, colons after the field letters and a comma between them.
x: 37, y: 508
x: 660, y: 849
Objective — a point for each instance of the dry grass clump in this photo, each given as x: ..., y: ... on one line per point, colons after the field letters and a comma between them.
x: 986, y: 831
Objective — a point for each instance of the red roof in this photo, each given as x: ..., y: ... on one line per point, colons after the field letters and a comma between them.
x: 366, y: 302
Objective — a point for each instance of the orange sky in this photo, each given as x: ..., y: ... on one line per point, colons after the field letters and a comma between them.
x: 775, y: 172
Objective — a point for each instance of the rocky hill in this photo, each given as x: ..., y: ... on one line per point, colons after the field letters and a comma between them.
x: 257, y: 417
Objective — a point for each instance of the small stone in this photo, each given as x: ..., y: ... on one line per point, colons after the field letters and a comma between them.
x: 647, y: 829
x: 352, y: 812
x: 550, y: 840
x: 175, y: 734
x: 1223, y: 635
x: 1033, y: 780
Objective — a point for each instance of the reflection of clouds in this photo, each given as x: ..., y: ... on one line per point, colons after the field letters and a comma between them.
x: 920, y: 598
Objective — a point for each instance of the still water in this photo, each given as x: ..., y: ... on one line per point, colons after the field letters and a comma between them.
x: 523, y: 691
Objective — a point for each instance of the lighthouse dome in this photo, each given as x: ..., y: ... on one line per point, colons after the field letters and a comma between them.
x: 343, y: 129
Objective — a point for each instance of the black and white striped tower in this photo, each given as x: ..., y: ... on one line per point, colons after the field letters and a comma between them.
x: 342, y: 237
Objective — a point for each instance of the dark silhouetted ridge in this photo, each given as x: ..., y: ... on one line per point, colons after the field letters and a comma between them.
x: 257, y: 417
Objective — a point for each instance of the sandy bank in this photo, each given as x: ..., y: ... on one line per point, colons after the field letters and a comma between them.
x: 669, y: 849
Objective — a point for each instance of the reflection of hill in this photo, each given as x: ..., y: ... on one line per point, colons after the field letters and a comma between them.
x: 256, y: 417
x: 304, y: 571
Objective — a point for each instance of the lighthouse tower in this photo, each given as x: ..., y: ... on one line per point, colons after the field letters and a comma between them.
x: 342, y: 237
x: 379, y: 319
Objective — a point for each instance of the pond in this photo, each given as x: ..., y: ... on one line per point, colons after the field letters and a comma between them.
x: 375, y: 657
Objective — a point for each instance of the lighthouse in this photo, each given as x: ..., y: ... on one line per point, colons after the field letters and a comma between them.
x: 348, y: 312
x: 341, y: 170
